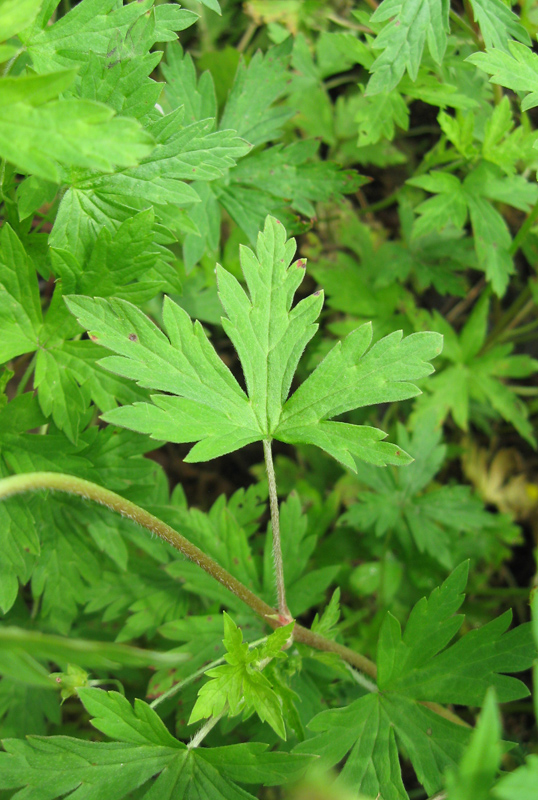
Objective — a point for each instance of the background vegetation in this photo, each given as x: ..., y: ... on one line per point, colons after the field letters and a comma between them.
x: 140, y: 144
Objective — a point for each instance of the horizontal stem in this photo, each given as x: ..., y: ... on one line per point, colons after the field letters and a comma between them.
x: 56, y: 481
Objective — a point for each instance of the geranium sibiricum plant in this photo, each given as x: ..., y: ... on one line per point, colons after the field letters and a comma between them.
x: 201, y: 401
x: 196, y: 398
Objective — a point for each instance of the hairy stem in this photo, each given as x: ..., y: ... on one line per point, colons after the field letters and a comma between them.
x: 91, y: 491
x: 35, y: 481
x: 202, y: 732
x: 275, y: 525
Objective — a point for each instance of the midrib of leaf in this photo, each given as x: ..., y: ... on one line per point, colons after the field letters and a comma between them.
x: 269, y: 351
x: 321, y: 398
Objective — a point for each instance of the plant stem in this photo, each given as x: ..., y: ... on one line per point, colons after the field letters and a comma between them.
x: 524, y: 231
x: 35, y: 481
x: 275, y: 525
x: 247, y: 36
x: 359, y: 678
x: 521, y: 300
x: 202, y: 732
x: 26, y: 376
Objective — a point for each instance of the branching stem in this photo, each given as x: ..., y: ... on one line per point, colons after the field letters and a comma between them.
x: 275, y: 525
x: 56, y: 481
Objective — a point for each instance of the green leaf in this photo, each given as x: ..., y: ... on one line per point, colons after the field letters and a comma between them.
x: 498, y: 23
x: 521, y: 783
x: 454, y: 199
x: 255, y: 88
x: 268, y: 336
x: 448, y: 206
x: 477, y: 374
x: 239, y: 687
x: 91, y: 25
x: 411, y: 23
x: 419, y: 664
x: 378, y: 115
x: 52, y: 767
x: 478, y: 767
x: 349, y: 377
x: 79, y: 133
x: 20, y: 308
x: 126, y: 263
x: 278, y: 178
x: 368, y: 729
x: 66, y: 376
x: 448, y: 522
x: 113, y: 715
x: 25, y: 709
x: 194, y: 151
x: 15, y: 15
x: 183, y: 87
x: 516, y: 69
x: 208, y: 404
x: 213, y: 5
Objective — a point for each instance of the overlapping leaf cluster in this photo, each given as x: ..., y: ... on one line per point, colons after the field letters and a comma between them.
x: 129, y: 165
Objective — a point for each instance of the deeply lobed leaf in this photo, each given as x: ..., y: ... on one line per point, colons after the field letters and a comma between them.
x: 269, y: 335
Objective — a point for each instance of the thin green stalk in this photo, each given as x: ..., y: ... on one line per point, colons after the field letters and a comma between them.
x: 464, y: 25
x: 26, y: 376
x: 513, y: 332
x: 510, y: 314
x: 247, y: 36
x: 283, y: 609
x: 524, y: 231
x: 380, y: 205
x: 7, y: 68
x: 56, y: 481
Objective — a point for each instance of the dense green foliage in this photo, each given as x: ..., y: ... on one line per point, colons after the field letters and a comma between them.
x: 159, y: 168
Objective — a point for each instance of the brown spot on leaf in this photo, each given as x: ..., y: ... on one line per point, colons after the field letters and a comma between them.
x: 93, y: 337
x: 133, y: 337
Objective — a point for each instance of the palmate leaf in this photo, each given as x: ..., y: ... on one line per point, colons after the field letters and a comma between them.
x: 516, y: 69
x: 411, y: 23
x: 205, y: 404
x: 448, y: 522
x: 369, y: 730
x: 279, y: 178
x: 97, y: 26
x: 55, y: 766
x: 498, y: 23
x: 34, y: 124
x: 476, y: 373
x: 66, y: 376
x: 420, y: 665
x: 455, y: 199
